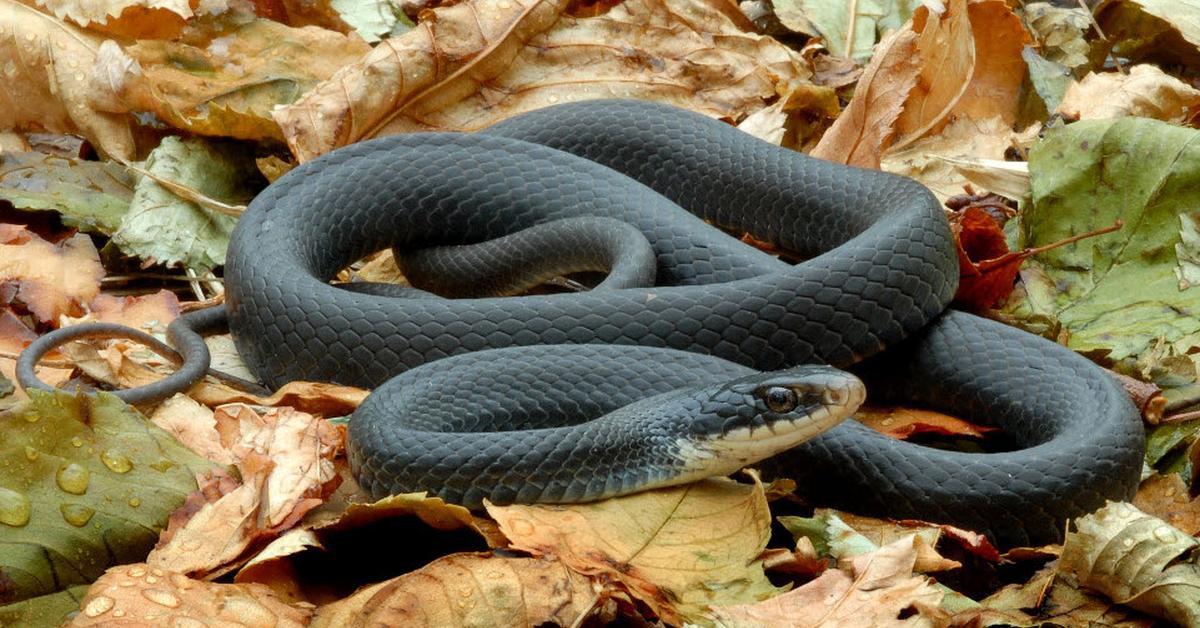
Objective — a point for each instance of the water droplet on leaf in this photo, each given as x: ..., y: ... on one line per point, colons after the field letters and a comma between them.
x: 77, y: 515
x: 73, y: 479
x: 14, y: 508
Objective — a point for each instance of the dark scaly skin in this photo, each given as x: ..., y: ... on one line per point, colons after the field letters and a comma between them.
x: 883, y: 269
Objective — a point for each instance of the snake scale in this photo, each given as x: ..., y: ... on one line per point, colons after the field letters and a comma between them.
x: 723, y: 323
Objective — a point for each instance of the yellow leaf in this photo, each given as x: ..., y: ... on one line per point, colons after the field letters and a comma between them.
x: 46, y: 69
x: 679, y: 550
x: 49, y: 280
x: 477, y: 62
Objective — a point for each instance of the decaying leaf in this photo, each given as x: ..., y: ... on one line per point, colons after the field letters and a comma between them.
x: 90, y: 195
x: 1046, y: 599
x: 1144, y: 91
x: 1116, y: 293
x: 88, y: 484
x: 143, y: 595
x: 477, y: 62
x: 470, y: 590
x: 285, y: 460
x: 936, y: 161
x: 1137, y: 560
x: 843, y: 536
x: 1144, y: 29
x: 833, y: 19
x: 48, y: 280
x: 883, y: 591
x: 46, y: 80
x: 679, y: 550
x: 1060, y: 32
x: 222, y: 77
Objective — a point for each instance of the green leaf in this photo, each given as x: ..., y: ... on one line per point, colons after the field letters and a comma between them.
x: 166, y: 228
x: 46, y: 610
x: 832, y: 20
x: 87, y: 483
x: 1049, y: 79
x: 90, y: 195
x: 1118, y: 293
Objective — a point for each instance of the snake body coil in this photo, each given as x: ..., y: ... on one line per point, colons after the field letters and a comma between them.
x: 882, y: 267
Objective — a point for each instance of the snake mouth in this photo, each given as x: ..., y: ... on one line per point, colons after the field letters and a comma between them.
x: 791, y: 412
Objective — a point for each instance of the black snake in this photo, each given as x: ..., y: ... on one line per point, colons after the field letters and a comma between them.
x: 881, y: 269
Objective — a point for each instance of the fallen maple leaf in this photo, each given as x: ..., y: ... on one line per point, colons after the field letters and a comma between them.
x: 1166, y: 497
x: 477, y: 62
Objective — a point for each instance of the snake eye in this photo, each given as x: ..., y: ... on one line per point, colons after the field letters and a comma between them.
x: 780, y: 399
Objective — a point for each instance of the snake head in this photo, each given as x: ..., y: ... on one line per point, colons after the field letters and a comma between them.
x: 758, y: 416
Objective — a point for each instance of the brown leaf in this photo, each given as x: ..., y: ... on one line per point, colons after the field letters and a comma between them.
x: 858, y: 137
x: 477, y: 62
x: 881, y: 592
x: 286, y: 464
x: 1137, y: 560
x: 1145, y: 91
x: 902, y: 423
x: 946, y: 49
x: 125, y: 18
x: 995, y: 84
x: 1167, y: 497
x: 469, y: 590
x: 46, y: 83
x: 14, y: 337
x: 150, y: 312
x: 142, y: 595
x: 193, y: 425
x: 48, y: 280
x: 222, y: 78
x: 679, y: 549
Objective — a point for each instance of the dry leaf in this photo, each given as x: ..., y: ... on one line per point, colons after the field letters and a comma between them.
x: 193, y: 425
x: 48, y: 280
x: 931, y: 160
x: 149, y: 313
x: 859, y: 136
x: 995, y: 85
x: 128, y: 18
x: 946, y: 49
x: 14, y: 337
x: 477, y: 62
x: 469, y: 590
x: 273, y: 565
x: 46, y: 80
x: 1166, y: 497
x: 1145, y: 91
x: 902, y: 423
x: 1136, y: 560
x: 882, y: 592
x: 286, y: 464
x: 222, y: 79
x: 141, y: 595
x: 679, y: 550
